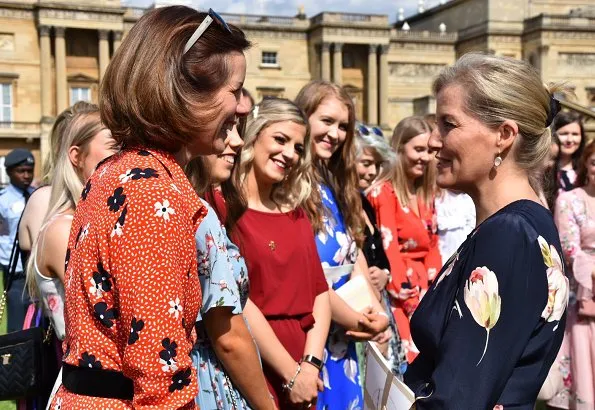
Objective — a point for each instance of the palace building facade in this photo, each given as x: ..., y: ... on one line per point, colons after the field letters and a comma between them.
x: 54, y: 53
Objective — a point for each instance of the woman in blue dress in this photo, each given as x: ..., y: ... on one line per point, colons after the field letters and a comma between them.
x: 491, y: 324
x: 230, y: 376
x: 339, y: 233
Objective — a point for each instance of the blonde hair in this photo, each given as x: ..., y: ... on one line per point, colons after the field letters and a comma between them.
x: 297, y: 186
x: 502, y: 88
x: 381, y: 150
x: 407, y: 129
x: 78, y: 128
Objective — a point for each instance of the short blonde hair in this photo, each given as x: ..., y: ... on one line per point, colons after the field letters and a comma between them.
x: 502, y: 88
x: 297, y: 186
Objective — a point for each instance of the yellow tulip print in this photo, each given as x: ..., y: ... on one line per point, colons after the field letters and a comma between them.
x: 483, y: 300
x: 557, y: 282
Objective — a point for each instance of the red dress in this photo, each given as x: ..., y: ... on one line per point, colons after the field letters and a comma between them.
x: 411, y: 244
x: 132, y: 292
x: 285, y: 277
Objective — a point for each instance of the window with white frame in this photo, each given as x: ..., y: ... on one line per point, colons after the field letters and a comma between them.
x: 270, y: 58
x: 80, y: 94
x: 5, y: 104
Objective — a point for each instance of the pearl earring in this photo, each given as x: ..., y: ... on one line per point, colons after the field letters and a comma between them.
x: 497, y: 161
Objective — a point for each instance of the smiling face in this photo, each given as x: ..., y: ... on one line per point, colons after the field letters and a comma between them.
x: 221, y: 165
x: 570, y: 138
x: 328, y: 127
x: 367, y: 168
x: 590, y: 165
x: 465, y: 148
x: 277, y: 149
x: 227, y: 101
x: 416, y: 156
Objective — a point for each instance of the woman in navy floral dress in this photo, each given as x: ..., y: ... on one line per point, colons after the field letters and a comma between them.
x: 491, y: 324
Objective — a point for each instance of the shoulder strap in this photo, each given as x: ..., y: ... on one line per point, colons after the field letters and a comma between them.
x: 15, y: 254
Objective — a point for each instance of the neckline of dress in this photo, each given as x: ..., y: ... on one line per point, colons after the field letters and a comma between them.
x: 504, y: 209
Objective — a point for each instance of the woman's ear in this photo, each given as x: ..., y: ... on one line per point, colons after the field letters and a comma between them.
x: 74, y: 155
x: 508, y: 132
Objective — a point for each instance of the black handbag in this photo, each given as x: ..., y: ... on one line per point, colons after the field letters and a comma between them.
x: 27, y: 358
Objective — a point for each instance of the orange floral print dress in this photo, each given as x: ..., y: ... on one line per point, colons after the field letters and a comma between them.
x: 411, y: 245
x: 132, y: 292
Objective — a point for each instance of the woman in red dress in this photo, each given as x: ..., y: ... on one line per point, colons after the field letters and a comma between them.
x: 406, y: 218
x: 276, y: 239
x: 132, y: 293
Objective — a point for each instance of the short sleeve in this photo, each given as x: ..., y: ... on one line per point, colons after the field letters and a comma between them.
x: 215, y: 268
x: 501, y: 304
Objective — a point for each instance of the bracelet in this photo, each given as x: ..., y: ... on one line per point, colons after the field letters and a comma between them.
x: 313, y: 360
x: 289, y: 386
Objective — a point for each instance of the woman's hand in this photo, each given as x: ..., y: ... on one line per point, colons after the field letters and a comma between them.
x: 306, y: 386
x: 370, y: 325
x: 378, y: 277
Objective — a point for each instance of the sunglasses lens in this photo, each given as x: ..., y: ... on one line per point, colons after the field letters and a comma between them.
x: 217, y: 17
x: 363, y: 130
x: 378, y: 131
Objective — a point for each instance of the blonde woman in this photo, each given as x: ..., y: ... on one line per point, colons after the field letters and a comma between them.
x: 491, y: 324
x: 84, y: 142
x: 275, y: 237
x: 405, y: 211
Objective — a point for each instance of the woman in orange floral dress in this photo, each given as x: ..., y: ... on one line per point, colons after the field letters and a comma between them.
x: 407, y: 221
x: 132, y: 291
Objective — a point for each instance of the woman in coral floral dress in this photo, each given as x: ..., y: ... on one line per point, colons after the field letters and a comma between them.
x: 132, y: 292
x: 405, y: 213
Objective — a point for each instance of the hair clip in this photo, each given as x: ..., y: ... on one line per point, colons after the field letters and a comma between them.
x: 555, y: 107
x: 255, y: 111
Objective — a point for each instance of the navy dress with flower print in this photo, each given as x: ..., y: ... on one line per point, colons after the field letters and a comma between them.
x: 340, y: 374
x: 490, y: 326
x: 224, y: 282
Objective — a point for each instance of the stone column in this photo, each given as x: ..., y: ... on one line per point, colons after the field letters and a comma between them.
x: 61, y: 83
x: 103, y: 52
x: 338, y: 63
x: 384, y: 86
x: 325, y: 61
x: 117, y: 40
x: 372, y: 84
x: 46, y: 73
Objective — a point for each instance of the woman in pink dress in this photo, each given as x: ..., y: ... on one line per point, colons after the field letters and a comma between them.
x: 575, y: 216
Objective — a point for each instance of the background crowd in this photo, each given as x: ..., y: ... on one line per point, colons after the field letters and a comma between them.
x: 188, y: 245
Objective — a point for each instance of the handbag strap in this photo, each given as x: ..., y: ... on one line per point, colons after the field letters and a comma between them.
x: 12, y: 267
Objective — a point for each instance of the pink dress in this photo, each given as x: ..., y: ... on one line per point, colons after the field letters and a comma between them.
x: 575, y: 216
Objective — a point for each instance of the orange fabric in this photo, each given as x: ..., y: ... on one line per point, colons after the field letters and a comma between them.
x: 411, y: 245
x: 132, y: 292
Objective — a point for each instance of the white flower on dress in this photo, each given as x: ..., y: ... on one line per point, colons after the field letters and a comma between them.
x: 387, y: 236
x: 483, y: 300
x: 125, y: 177
x: 164, y: 210
x: 169, y: 365
x: 350, y: 369
x: 58, y: 405
x: 325, y: 379
x: 450, y: 264
x: 103, y: 171
x: 117, y: 230
x: 175, y: 188
x: 325, y: 196
x: 557, y: 283
x: 175, y: 307
x: 344, y: 245
x: 354, y: 404
x: 222, y: 284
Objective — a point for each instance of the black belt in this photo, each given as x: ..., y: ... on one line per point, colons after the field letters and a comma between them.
x: 108, y: 384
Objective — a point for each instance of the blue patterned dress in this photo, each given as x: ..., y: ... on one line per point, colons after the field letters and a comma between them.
x: 224, y: 282
x: 340, y: 374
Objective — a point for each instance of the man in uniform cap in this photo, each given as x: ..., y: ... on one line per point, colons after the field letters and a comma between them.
x: 19, y: 164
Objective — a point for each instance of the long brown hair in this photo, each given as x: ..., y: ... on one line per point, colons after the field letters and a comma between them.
x: 581, y: 176
x: 339, y: 172
x: 407, y: 129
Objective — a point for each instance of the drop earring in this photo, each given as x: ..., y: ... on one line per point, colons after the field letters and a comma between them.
x: 497, y: 161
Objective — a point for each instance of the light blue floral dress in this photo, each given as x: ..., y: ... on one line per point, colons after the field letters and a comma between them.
x: 340, y: 374
x: 224, y: 282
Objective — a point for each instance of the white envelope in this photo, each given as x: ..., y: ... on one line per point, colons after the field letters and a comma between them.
x: 357, y: 293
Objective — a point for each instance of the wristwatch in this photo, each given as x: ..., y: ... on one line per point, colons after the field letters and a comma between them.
x: 313, y: 360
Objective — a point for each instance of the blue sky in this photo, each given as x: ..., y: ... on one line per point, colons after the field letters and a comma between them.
x: 312, y: 7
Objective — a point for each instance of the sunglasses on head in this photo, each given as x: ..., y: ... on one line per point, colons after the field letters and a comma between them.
x: 211, y: 16
x: 363, y: 130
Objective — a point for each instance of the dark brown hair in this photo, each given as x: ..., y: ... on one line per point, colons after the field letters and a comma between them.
x: 563, y: 119
x: 581, y: 177
x: 152, y: 94
x: 340, y: 171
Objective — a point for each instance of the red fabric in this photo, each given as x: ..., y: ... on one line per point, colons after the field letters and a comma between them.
x: 411, y: 245
x: 285, y: 276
